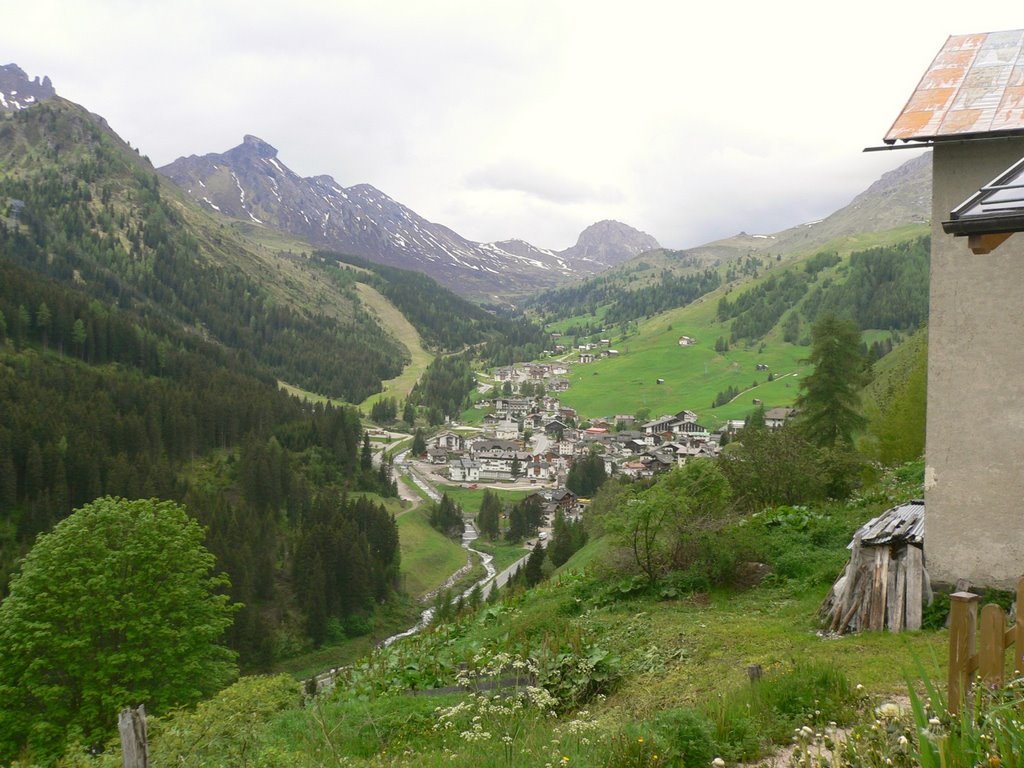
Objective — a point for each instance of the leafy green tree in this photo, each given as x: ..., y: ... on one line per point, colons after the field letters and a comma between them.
x: 769, y: 467
x: 517, y: 468
x: 115, y: 607
x: 829, y: 400
x: 666, y: 526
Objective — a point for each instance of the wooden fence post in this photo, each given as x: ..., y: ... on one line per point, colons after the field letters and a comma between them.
x: 131, y: 724
x: 993, y: 645
x: 963, y: 623
x: 1018, y: 632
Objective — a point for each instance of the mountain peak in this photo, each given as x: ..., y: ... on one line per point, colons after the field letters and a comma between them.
x: 17, y: 91
x: 258, y: 146
x: 610, y: 242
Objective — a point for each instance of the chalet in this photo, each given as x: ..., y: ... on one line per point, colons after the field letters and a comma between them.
x: 776, y: 417
x: 690, y: 429
x: 613, y: 353
x: 559, y: 369
x: 634, y: 469
x: 493, y: 444
x: 567, y: 414
x: 967, y: 109
x: 497, y: 464
x: 506, y: 374
x: 687, y: 341
x: 586, y: 357
x: 606, y: 342
x: 506, y: 430
x: 437, y: 455
x: 686, y: 416
x: 512, y: 407
x: 557, y: 385
x: 463, y: 470
x: 555, y: 428
x: 659, y: 426
x: 449, y: 441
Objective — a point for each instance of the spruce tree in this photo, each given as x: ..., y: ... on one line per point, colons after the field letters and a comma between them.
x: 535, y: 565
x: 829, y: 400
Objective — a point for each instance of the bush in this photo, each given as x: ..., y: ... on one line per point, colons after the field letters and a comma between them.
x: 686, y: 736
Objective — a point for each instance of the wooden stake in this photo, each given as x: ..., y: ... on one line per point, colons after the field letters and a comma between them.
x: 963, y: 621
x: 915, y: 578
x: 131, y: 724
x: 993, y: 647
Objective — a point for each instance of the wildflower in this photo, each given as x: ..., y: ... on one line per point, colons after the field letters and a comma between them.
x: 718, y: 763
x: 994, y: 761
x: 934, y: 721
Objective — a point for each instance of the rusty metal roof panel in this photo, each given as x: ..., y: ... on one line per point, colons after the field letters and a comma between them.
x: 901, y: 524
x: 975, y: 85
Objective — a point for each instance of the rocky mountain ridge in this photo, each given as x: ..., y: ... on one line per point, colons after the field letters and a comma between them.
x: 17, y: 91
x: 249, y: 182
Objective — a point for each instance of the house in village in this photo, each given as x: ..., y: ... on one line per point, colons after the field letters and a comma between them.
x: 506, y: 430
x: 449, y: 441
x: 586, y: 357
x: 463, y: 470
x: 774, y: 418
x: 969, y: 109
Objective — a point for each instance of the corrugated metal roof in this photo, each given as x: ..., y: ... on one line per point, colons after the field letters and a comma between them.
x: 904, y: 523
x: 974, y: 86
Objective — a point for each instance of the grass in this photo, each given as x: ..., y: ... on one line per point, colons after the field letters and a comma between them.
x: 428, y: 557
x: 680, y: 664
x: 695, y: 375
x: 504, y: 553
x: 397, y: 324
x: 470, y: 498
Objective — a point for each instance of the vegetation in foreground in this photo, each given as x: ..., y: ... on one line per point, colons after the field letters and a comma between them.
x: 597, y: 667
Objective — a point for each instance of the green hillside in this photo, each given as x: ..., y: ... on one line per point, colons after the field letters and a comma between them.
x: 763, y: 319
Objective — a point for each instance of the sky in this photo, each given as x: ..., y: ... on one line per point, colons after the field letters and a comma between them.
x: 518, y: 118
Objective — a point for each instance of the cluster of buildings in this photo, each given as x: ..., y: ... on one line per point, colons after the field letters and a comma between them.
x: 538, y: 440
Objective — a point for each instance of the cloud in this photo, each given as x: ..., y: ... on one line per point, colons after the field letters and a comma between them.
x: 512, y: 176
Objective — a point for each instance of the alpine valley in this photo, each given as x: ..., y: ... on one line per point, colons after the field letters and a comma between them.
x: 262, y: 349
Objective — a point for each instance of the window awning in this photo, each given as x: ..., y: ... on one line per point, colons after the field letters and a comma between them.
x: 993, y: 213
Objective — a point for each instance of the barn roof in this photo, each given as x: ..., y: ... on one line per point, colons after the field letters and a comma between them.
x: 901, y: 524
x: 975, y: 86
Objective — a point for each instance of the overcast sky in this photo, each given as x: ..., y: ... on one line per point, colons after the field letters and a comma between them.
x: 518, y: 118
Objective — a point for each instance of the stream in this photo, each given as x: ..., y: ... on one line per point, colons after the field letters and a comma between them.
x: 490, y: 578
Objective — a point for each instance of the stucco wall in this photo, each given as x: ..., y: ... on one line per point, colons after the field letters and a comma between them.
x: 974, y: 478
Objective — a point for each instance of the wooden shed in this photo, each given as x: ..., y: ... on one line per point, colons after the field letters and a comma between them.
x: 885, y: 584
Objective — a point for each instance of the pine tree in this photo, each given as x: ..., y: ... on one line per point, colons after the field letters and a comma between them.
x: 829, y: 401
x: 535, y: 565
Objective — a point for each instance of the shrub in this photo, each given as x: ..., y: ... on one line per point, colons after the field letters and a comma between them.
x: 686, y: 736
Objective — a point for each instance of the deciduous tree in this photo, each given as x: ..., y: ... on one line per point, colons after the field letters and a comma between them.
x: 116, y: 606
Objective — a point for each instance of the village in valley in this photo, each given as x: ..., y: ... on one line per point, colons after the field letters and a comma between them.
x: 529, y: 439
